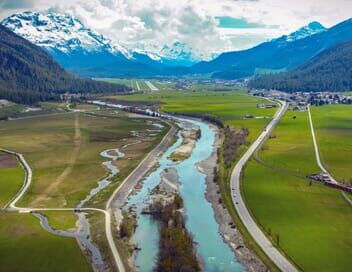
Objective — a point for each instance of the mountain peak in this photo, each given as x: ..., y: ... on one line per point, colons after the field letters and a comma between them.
x: 305, y: 31
x: 61, y: 32
x: 315, y: 25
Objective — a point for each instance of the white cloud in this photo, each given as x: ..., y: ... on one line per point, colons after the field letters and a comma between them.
x: 158, y: 22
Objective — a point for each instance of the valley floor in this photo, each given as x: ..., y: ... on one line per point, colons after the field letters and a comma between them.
x: 64, y: 151
x: 309, y: 222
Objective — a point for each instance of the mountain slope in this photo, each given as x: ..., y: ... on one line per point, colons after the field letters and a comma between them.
x: 27, y: 68
x: 331, y: 70
x: 175, y: 54
x: 77, y: 47
x: 286, y: 52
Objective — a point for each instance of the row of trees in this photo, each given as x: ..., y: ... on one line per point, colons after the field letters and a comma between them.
x: 26, y: 97
x: 176, y: 249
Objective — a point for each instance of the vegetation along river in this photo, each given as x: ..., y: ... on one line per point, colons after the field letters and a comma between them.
x: 215, y: 254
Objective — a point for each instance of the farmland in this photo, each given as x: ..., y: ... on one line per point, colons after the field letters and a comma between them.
x: 307, y: 221
x: 230, y: 106
x: 333, y: 126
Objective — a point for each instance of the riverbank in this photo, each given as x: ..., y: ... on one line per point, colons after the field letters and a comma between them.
x: 227, y: 229
x: 190, y: 135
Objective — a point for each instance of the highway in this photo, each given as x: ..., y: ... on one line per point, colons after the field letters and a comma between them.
x: 278, y: 258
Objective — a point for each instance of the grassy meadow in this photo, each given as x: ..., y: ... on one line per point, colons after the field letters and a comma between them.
x: 11, y: 181
x: 333, y: 129
x: 26, y: 246
x: 311, y: 221
x: 291, y: 140
x: 64, y: 152
x: 132, y: 83
x: 230, y: 106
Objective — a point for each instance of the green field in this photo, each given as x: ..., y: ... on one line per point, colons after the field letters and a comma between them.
x: 10, y: 182
x: 26, y: 246
x: 61, y: 220
x: 333, y: 129
x: 63, y: 151
x: 10, y: 110
x: 313, y: 222
x: 291, y: 140
x: 132, y: 83
x: 230, y: 106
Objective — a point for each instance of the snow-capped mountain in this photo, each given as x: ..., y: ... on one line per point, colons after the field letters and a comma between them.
x: 178, y: 53
x: 305, y: 31
x: 284, y: 53
x: 62, y: 33
x: 80, y: 49
x: 175, y: 54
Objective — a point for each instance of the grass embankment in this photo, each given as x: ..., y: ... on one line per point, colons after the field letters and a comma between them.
x: 61, y: 220
x: 26, y: 246
x: 309, y: 222
x: 333, y: 129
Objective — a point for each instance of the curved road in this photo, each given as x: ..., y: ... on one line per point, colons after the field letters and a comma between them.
x: 280, y: 260
x: 130, y: 180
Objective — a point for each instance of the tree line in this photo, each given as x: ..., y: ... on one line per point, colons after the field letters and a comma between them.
x: 32, y: 75
x: 329, y: 71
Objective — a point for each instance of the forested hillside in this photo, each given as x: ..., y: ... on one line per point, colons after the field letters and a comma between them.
x: 331, y: 70
x: 284, y: 53
x: 28, y: 74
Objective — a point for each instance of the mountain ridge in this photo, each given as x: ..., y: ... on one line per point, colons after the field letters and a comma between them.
x: 330, y: 70
x: 276, y: 54
x: 29, y: 74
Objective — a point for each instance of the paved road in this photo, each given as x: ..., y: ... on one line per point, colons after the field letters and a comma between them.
x: 128, y: 184
x: 317, y: 156
x: 121, y: 194
x: 27, y: 179
x: 151, y: 86
x: 316, y: 149
x: 280, y: 260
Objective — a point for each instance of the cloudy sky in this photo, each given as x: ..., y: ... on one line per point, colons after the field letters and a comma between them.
x: 208, y: 26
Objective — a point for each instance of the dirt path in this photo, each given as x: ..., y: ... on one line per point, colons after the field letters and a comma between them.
x: 108, y: 211
x: 70, y: 163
